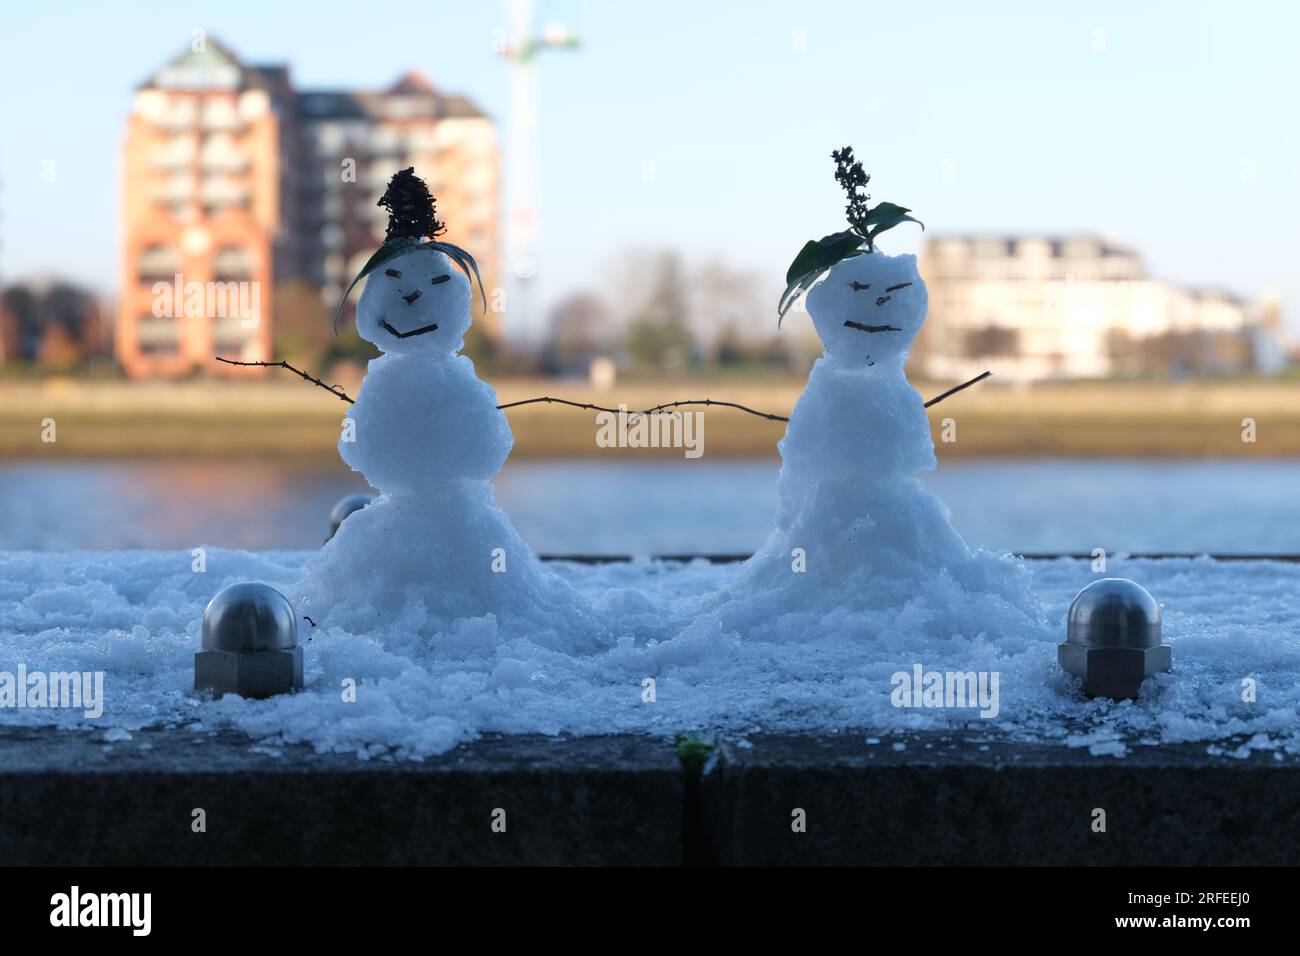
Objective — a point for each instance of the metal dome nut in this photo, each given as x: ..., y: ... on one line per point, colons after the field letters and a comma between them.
x: 250, y: 638
x: 345, y: 507
x: 249, y: 617
x: 1113, y: 634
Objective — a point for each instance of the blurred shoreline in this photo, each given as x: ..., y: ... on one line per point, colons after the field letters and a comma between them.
x: 292, y: 419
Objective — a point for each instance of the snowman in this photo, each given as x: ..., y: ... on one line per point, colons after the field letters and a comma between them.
x: 858, y: 541
x: 433, y: 549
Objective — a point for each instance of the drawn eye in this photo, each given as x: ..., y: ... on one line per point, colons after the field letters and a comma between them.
x: 857, y: 286
x: 412, y: 297
x: 392, y: 272
x: 439, y: 280
x: 895, y: 288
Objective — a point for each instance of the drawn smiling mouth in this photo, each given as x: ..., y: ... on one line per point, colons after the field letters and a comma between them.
x: 407, y: 335
x: 849, y: 323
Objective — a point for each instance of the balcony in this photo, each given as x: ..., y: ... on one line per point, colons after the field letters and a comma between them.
x: 178, y: 153
x: 158, y: 264
x: 219, y: 191
x: 157, y: 336
x: 180, y: 114
x: 232, y: 264
x: 230, y: 336
x: 178, y: 188
x: 220, y: 154
x: 220, y: 115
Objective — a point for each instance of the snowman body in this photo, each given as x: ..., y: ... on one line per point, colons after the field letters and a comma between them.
x: 425, y: 431
x: 856, y: 534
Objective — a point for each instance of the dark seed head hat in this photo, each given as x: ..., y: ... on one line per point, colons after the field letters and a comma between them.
x: 412, y: 225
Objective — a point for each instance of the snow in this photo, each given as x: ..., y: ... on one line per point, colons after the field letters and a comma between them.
x: 434, y: 622
x: 433, y: 549
x: 136, y: 616
x: 858, y: 541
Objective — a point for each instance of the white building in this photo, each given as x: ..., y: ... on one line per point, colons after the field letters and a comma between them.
x: 1035, y: 308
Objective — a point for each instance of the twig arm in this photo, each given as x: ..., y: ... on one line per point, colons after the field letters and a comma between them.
x: 710, y: 402
x: 557, y: 401
x: 336, y: 390
x: 648, y: 411
x: 957, y: 388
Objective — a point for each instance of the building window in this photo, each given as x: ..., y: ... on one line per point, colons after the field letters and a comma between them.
x: 158, y: 263
x: 182, y: 113
x: 330, y: 138
x: 229, y: 336
x: 221, y: 191
x: 385, y: 141
x: 319, y: 104
x: 157, y: 336
x: 177, y: 153
x: 232, y: 264
x: 991, y: 340
x: 180, y: 210
x: 175, y: 188
x: 220, y: 153
x: 220, y: 114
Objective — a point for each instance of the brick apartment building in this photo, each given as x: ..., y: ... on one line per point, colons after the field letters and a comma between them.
x: 235, y: 181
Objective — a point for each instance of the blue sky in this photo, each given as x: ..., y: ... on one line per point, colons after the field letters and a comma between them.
x: 1180, y: 135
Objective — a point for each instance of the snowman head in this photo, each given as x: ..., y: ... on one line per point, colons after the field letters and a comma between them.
x: 416, y: 300
x: 417, y: 303
x: 868, y: 309
x: 867, y: 306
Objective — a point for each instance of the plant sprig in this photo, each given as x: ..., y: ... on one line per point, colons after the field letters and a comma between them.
x: 865, y: 223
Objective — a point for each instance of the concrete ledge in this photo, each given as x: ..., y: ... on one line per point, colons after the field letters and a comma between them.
x: 944, y: 801
x: 67, y: 799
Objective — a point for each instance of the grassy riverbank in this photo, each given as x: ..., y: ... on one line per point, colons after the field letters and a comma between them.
x: 288, y: 418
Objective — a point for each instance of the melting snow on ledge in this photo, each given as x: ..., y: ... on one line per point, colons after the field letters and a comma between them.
x: 136, y: 616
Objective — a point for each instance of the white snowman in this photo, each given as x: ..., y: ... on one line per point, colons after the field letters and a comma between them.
x: 856, y: 533
x: 426, y: 433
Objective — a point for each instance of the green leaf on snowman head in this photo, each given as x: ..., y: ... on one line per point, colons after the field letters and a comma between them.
x: 465, y: 263
x: 866, y: 222
x: 400, y: 246
x: 886, y: 215
x: 814, y: 260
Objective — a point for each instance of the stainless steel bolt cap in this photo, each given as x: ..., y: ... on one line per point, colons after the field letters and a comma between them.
x: 249, y: 617
x: 1114, y: 612
x: 345, y: 507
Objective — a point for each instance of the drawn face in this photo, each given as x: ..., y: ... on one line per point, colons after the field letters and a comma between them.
x: 417, y: 303
x: 868, y: 309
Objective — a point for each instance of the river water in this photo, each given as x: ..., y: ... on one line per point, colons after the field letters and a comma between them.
x: 660, y: 507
